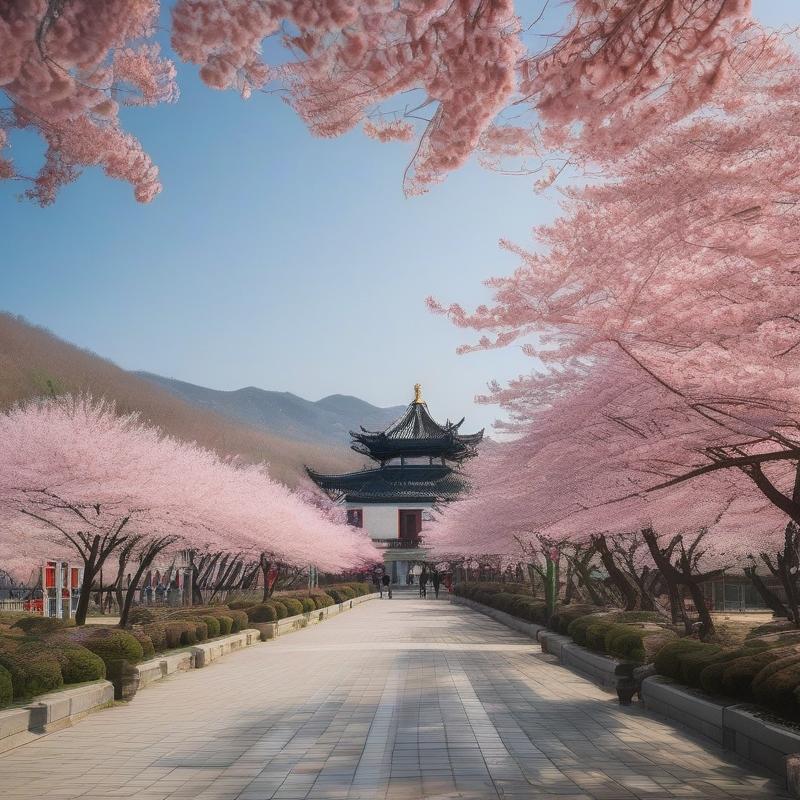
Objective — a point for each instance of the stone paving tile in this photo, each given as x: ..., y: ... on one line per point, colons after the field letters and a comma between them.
x: 396, y: 700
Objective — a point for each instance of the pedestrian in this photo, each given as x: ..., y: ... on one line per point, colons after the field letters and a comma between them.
x: 388, y: 584
x: 436, y: 583
x: 376, y: 583
x: 423, y: 583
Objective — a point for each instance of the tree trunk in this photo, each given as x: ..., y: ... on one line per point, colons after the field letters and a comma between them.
x: 89, y: 572
x: 629, y: 594
x: 699, y: 600
x: 771, y: 600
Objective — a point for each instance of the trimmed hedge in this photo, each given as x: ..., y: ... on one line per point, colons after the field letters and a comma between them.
x: 563, y: 616
x: 667, y: 661
x: 157, y: 633
x: 79, y: 664
x: 113, y: 645
x: 263, y: 612
x: 39, y: 625
x: 308, y: 605
x: 32, y: 670
x: 6, y: 688
x: 294, y: 607
x: 212, y: 625
x: 148, y: 648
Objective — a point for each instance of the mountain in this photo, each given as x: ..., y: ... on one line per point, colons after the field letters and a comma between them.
x: 34, y: 362
x: 326, y: 421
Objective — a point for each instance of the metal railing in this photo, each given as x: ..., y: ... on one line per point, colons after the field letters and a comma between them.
x: 398, y: 544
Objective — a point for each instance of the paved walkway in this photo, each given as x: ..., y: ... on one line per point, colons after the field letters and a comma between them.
x: 396, y: 700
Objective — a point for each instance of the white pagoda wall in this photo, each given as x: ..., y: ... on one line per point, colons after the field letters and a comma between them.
x: 381, y: 519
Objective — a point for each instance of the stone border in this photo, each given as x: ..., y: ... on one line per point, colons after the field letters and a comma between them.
x: 736, y: 726
x: 733, y: 726
x: 52, y: 712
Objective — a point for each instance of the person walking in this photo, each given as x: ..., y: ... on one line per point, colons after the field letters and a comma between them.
x: 376, y: 582
x: 436, y: 583
x: 423, y: 583
x: 387, y: 582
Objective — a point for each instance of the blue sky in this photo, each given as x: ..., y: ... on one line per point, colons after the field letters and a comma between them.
x: 272, y: 258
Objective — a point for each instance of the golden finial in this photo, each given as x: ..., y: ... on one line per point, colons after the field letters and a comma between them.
x: 418, y: 393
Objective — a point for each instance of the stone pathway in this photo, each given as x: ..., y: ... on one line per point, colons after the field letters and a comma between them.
x: 397, y: 700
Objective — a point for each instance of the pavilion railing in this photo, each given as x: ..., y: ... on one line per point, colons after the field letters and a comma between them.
x: 398, y: 544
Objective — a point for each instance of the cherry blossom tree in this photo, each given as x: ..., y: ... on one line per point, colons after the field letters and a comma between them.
x: 66, y: 68
x: 451, y: 78
x: 75, y: 475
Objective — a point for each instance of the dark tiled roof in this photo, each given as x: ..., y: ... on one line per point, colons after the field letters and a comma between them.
x: 416, y: 433
x: 394, y: 483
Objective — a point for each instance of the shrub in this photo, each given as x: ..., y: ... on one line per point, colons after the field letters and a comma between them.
x: 32, y: 671
x: 240, y: 605
x: 734, y: 674
x: 280, y: 609
x: 156, y: 632
x: 293, y: 607
x: 238, y: 620
x: 180, y: 633
x: 596, y: 634
x: 308, y: 605
x: 768, y: 670
x: 779, y: 689
x: 6, y: 688
x: 225, y: 624
x: 641, y: 616
x: 148, y: 648
x: 212, y: 626
x: 693, y: 662
x: 39, y: 625
x: 264, y: 612
x: 636, y: 642
x: 79, y: 664
x: 579, y: 626
x: 564, y: 615
x: 112, y: 645
x: 337, y: 596
x: 323, y: 600
x: 667, y: 661
x: 139, y: 616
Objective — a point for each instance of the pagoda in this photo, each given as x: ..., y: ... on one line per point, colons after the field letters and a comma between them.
x: 419, y: 461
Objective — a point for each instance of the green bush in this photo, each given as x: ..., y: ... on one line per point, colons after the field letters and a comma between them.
x: 635, y: 642
x: 692, y: 663
x: 112, y: 645
x: 563, y: 616
x: 578, y: 627
x: 778, y: 691
x: 641, y: 616
x: 225, y: 624
x: 240, y: 605
x: 323, y: 600
x: 32, y: 670
x: 294, y: 607
x: 148, y: 648
x: 180, y: 633
x: 264, y: 612
x: 6, y: 688
x: 308, y: 605
x: 337, y: 596
x: 212, y: 626
x: 595, y: 634
x: 280, y: 609
x: 157, y: 634
x: 39, y: 625
x: 140, y: 616
x: 734, y: 674
x: 239, y: 620
x: 79, y: 664
x: 772, y: 668
x: 667, y: 661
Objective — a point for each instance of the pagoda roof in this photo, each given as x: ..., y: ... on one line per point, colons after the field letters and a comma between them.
x: 417, y: 433
x: 407, y: 483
